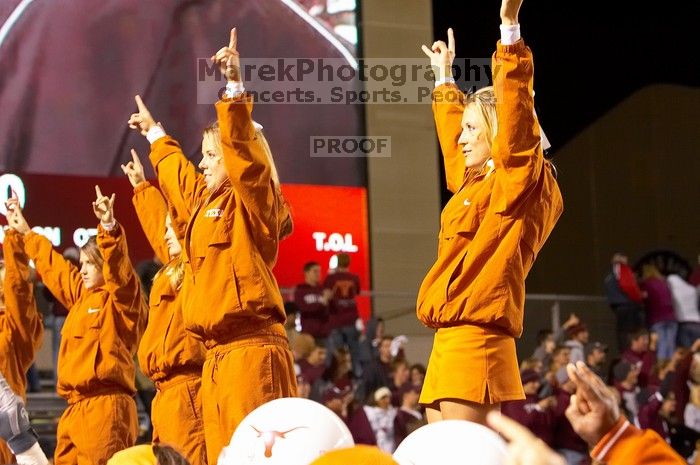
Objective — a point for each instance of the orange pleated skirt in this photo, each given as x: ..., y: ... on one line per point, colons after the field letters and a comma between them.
x: 474, y: 364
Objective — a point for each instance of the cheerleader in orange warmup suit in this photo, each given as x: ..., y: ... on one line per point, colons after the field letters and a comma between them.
x: 237, y: 218
x: 21, y: 328
x: 169, y: 355
x: 105, y: 322
x: 505, y: 204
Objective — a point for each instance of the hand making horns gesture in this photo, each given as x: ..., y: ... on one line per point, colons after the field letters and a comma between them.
x: 103, y: 207
x: 134, y: 169
x: 228, y: 59
x: 15, y: 218
x: 143, y: 121
x: 442, y: 55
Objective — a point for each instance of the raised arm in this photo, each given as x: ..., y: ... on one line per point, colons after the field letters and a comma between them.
x: 19, y: 296
x: 151, y: 209
x: 119, y: 275
x: 180, y: 182
x: 247, y: 165
x: 448, y: 107
x: 595, y: 417
x: 150, y: 206
x: 57, y: 273
x: 517, y: 149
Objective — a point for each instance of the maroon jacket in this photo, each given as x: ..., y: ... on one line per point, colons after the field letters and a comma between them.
x: 360, y: 428
x: 343, y: 309
x: 526, y: 413
x: 312, y: 311
x: 564, y: 435
x: 646, y: 359
x: 406, y: 423
x: 649, y: 417
x: 310, y: 372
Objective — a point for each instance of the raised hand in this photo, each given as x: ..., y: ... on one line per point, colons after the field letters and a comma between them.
x: 15, y: 218
x: 143, y: 121
x: 103, y: 207
x: 593, y: 410
x: 228, y: 59
x: 509, y: 11
x: 442, y: 55
x: 134, y: 170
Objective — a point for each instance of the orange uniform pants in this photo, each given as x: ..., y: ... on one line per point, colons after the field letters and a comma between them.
x: 176, y: 414
x: 93, y: 429
x: 237, y: 378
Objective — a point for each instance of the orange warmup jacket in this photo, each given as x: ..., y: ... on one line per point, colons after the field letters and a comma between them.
x: 103, y: 326
x: 21, y: 328
x: 238, y: 224
x: 497, y: 220
x: 165, y: 347
x: 626, y: 444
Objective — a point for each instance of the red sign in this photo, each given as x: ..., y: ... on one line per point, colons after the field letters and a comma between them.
x: 327, y: 220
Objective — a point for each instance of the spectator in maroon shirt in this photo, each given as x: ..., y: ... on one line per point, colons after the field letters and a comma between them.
x: 313, y: 366
x: 596, y: 353
x: 661, y: 317
x: 338, y: 400
x: 409, y: 416
x: 417, y: 374
x: 626, y: 378
x: 342, y: 287
x: 639, y: 354
x: 400, y: 378
x: 534, y: 413
x: 566, y: 441
x: 312, y: 303
x: 378, y: 373
x: 656, y: 412
x: 338, y: 374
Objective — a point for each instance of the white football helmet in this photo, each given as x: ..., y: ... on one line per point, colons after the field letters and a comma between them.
x: 287, y: 431
x: 452, y: 442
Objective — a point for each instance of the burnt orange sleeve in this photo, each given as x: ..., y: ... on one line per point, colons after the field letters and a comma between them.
x: 249, y: 169
x: 120, y: 279
x: 19, y: 299
x: 58, y: 274
x: 517, y: 150
x: 151, y: 210
x: 448, y: 107
x: 625, y: 444
x: 180, y: 183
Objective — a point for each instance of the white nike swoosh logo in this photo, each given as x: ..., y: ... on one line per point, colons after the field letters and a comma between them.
x: 93, y: 310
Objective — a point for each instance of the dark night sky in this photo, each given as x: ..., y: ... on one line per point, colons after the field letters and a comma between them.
x: 587, y: 56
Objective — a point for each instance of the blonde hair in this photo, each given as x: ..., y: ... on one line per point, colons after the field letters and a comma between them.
x: 92, y: 251
x: 484, y: 100
x: 175, y: 270
x: 287, y: 225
